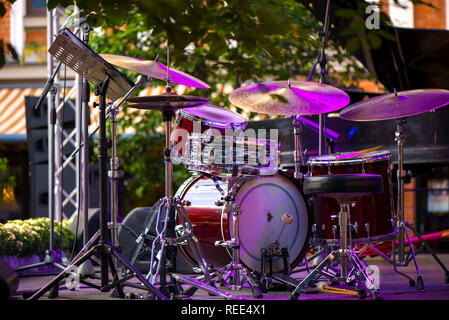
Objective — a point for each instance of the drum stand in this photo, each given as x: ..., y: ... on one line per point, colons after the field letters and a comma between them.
x: 402, y: 225
x: 235, y: 269
x: 163, y: 255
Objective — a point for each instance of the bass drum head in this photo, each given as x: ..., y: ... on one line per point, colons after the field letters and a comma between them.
x: 262, y: 203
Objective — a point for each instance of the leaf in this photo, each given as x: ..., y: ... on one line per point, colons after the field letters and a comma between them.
x: 353, y: 44
x: 2, y: 9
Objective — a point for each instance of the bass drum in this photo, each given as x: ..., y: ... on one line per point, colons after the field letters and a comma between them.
x: 263, y: 202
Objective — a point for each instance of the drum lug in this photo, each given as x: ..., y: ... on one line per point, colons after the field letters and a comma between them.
x: 334, y: 231
x: 367, y: 226
x: 355, y: 226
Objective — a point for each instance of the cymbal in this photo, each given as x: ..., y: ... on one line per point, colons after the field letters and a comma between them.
x: 154, y: 69
x: 289, y: 98
x: 396, y: 105
x: 166, y: 102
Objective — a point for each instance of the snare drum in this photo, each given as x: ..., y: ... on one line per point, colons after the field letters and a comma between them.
x: 372, y: 215
x: 198, y: 120
x: 262, y: 204
x: 229, y: 155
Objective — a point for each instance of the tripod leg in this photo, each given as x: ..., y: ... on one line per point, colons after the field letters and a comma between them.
x: 256, y: 292
x: 138, y: 275
x: 359, y: 266
x: 431, y: 252
x: 118, y: 291
x: 60, y: 276
x: 295, y: 294
x: 420, y: 283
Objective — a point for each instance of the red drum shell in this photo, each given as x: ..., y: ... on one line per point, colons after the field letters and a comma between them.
x: 259, y: 223
x: 372, y: 216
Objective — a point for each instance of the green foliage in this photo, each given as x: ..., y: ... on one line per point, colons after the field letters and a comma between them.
x: 219, y: 42
x: 6, y: 179
x: 32, y: 236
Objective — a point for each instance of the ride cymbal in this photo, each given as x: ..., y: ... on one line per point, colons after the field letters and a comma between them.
x: 154, y: 69
x: 396, y: 105
x: 289, y: 98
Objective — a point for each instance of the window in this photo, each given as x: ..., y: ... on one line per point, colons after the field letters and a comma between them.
x: 36, y: 7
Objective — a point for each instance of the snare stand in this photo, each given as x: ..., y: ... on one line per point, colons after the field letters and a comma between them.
x: 163, y: 257
x: 235, y: 268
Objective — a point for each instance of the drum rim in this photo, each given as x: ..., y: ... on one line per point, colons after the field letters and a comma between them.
x: 186, y: 185
x: 213, y: 124
x: 375, y: 156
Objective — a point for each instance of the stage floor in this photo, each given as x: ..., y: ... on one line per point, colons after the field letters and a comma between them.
x: 392, y: 285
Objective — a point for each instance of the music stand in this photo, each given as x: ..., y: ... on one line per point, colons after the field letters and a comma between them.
x: 108, y: 82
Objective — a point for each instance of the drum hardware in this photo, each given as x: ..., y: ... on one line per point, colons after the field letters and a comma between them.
x: 344, y: 188
x: 399, y: 106
x: 163, y: 257
x: 234, y: 271
x: 108, y: 83
x: 299, y: 154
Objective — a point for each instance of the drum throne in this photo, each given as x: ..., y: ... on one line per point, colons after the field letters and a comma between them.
x: 344, y: 188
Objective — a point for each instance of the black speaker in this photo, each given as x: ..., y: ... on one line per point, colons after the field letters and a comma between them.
x: 132, y: 226
x: 37, y: 118
x: 39, y: 189
x: 9, y: 281
x: 37, y: 142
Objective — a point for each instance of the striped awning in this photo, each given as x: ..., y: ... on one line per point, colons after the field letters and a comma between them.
x: 12, y: 107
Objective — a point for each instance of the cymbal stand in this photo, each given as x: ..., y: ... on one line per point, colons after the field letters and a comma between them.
x: 234, y: 269
x: 299, y: 154
x: 401, y: 224
x: 104, y: 248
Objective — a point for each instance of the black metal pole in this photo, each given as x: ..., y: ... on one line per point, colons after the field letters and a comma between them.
x: 101, y: 90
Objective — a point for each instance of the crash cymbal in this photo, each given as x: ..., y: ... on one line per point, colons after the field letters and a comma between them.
x: 154, y: 69
x: 289, y: 98
x: 396, y: 105
x: 166, y: 101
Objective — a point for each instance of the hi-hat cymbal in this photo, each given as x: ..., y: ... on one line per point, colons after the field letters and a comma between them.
x: 396, y: 105
x: 166, y: 102
x: 289, y: 98
x: 154, y: 69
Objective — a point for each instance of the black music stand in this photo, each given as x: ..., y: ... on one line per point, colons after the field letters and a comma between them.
x: 108, y: 82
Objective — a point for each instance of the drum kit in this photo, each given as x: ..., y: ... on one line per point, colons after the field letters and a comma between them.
x: 239, y: 218
x: 246, y: 216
